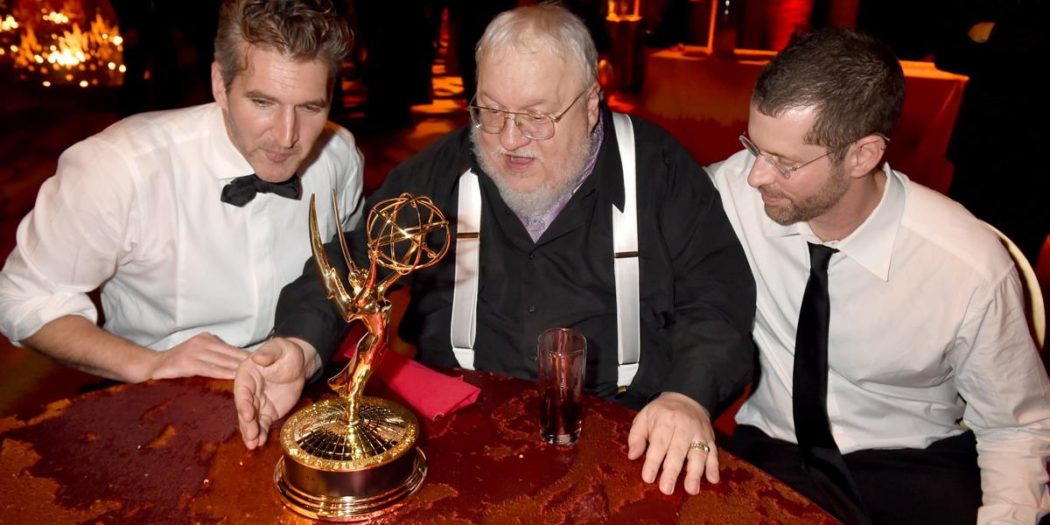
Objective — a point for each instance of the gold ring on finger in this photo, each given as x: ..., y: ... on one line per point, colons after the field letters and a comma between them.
x: 701, y: 446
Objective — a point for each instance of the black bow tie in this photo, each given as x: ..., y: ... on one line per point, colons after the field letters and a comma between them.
x: 242, y: 190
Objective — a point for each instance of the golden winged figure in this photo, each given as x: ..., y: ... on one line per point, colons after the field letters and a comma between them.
x: 398, y: 230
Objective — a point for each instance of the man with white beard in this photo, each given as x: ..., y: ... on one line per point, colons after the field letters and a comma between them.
x: 543, y: 172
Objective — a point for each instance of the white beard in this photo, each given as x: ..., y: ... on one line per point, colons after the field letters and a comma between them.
x: 533, y: 206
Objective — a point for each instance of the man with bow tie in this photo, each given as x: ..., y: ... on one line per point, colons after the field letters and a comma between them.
x: 192, y: 220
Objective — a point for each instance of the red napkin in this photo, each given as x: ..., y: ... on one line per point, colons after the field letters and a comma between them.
x: 430, y: 393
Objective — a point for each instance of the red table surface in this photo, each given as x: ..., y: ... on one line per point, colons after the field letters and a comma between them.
x: 169, y: 452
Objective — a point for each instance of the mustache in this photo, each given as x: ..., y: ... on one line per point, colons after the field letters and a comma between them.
x: 480, y: 150
x: 765, y: 190
x: 516, y: 153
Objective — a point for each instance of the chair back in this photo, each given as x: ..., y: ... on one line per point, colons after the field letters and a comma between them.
x: 1035, y: 311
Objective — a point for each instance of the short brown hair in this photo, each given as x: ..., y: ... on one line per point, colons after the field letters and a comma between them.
x: 305, y: 30
x: 855, y: 83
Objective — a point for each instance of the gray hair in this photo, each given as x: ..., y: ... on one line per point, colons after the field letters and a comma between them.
x: 545, y: 25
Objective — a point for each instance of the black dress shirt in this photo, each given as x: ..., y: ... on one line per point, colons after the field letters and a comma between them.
x: 697, y: 292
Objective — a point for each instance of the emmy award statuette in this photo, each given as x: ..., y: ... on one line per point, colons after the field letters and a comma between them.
x: 353, y: 457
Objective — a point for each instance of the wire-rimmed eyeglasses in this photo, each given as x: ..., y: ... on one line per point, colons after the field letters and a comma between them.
x: 535, y: 126
x: 784, y: 169
x: 788, y: 170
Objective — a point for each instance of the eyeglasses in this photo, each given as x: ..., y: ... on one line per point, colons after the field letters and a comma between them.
x: 784, y: 169
x: 773, y: 160
x: 535, y: 126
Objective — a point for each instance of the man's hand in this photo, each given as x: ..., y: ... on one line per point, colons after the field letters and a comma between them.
x: 669, y: 424
x: 77, y: 342
x: 268, y: 385
x: 201, y: 355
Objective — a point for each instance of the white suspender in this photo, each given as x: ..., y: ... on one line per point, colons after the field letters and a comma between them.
x: 625, y: 263
x: 468, y: 249
x: 625, y: 257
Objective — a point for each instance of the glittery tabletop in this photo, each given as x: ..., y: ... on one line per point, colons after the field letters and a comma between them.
x: 168, y: 452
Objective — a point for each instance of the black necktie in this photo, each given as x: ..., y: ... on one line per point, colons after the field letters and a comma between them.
x: 820, y: 455
x: 242, y: 190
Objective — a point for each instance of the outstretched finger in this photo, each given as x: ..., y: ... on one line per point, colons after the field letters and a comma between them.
x: 696, y: 460
x: 638, y: 436
x: 246, y: 421
x: 245, y: 401
x: 218, y: 347
x: 659, y: 441
x: 673, y: 461
x: 221, y: 360
x: 264, y: 428
x: 712, y: 464
x: 206, y: 368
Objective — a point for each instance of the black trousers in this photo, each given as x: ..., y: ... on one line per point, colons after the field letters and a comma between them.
x: 940, y: 484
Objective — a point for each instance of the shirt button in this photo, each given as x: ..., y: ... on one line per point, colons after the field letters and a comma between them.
x: 532, y: 256
x: 532, y: 308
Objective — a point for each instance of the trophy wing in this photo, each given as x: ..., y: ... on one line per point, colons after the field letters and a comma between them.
x: 333, y: 283
x: 354, y: 271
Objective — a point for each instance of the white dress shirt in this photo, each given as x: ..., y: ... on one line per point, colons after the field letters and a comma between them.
x: 135, y: 209
x: 927, y: 328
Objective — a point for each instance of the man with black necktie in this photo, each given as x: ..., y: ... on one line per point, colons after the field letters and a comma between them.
x: 899, y: 382
x: 191, y: 220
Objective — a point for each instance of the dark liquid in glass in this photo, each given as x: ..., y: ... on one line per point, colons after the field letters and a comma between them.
x: 560, y: 417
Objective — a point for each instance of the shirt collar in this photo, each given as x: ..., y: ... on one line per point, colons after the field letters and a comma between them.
x: 227, y: 160
x: 871, y: 244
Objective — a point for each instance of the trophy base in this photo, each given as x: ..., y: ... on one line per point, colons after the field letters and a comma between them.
x: 349, y: 495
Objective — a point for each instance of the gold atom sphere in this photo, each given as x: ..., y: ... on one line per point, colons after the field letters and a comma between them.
x: 398, y: 232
